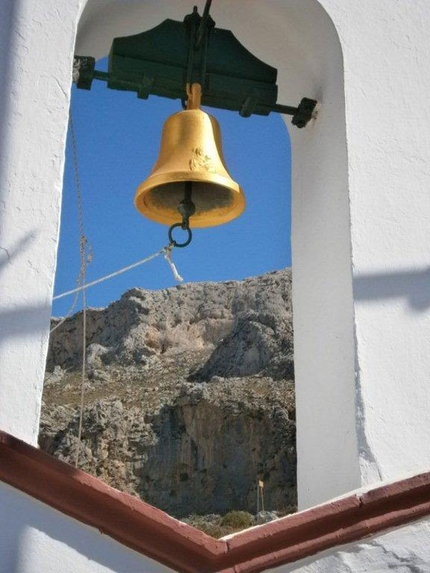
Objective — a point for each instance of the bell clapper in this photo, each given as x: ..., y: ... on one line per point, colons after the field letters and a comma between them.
x: 186, y: 207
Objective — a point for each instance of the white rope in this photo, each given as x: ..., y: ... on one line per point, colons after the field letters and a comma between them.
x: 168, y: 257
x: 167, y: 254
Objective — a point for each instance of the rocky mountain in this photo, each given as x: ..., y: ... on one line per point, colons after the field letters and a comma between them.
x: 189, y: 396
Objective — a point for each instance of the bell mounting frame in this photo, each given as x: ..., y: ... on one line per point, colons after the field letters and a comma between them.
x: 164, y: 60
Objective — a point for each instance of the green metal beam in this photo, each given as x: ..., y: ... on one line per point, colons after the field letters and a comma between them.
x: 163, y: 60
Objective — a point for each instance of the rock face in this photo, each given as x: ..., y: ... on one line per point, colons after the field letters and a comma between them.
x: 189, y: 396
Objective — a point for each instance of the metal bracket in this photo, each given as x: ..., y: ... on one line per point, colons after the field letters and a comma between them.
x: 304, y: 112
x: 83, y: 71
x: 163, y: 60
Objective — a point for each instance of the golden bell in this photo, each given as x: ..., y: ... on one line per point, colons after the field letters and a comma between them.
x: 190, y: 151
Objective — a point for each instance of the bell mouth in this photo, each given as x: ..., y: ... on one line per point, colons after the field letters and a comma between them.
x: 215, y: 203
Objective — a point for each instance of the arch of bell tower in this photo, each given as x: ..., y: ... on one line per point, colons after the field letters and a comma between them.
x: 299, y: 39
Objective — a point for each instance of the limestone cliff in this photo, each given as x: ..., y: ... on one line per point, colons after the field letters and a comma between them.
x: 189, y: 397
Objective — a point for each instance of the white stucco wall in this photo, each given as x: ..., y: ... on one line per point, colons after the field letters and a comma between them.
x: 386, y: 47
x: 404, y: 550
x: 35, y: 61
x: 360, y: 209
x: 36, y: 538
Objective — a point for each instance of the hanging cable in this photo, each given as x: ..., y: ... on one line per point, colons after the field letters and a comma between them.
x: 82, y: 237
x: 83, y: 241
x: 84, y: 354
x: 86, y: 256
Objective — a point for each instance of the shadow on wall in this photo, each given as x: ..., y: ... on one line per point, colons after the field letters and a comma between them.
x: 38, y: 539
x: 21, y: 321
x: 8, y: 14
x: 411, y: 284
x: 24, y: 321
x: 7, y: 255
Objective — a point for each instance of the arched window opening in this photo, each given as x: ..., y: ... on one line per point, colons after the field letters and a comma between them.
x: 301, y: 41
x: 188, y: 404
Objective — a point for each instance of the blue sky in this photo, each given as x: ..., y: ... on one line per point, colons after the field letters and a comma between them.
x: 118, y: 139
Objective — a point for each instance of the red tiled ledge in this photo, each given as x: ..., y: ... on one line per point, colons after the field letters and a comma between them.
x: 155, y: 534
